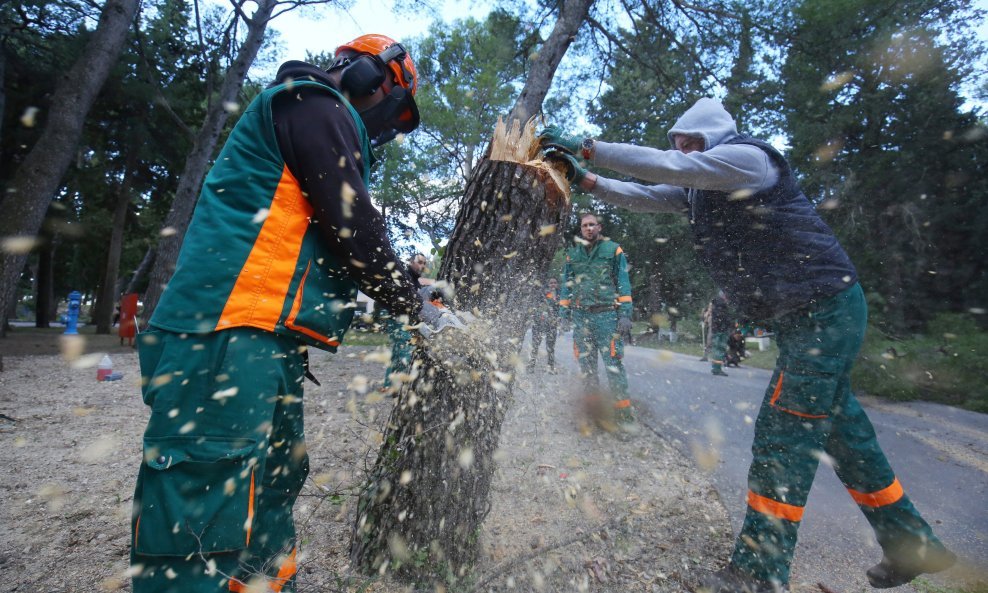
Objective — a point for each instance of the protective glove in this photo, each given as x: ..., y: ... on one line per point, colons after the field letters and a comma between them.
x: 573, y: 169
x: 435, y: 318
x: 553, y: 137
x: 624, y: 325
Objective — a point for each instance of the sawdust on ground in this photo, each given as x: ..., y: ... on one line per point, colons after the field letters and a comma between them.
x: 573, y: 509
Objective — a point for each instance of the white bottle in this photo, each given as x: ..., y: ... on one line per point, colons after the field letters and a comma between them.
x: 105, y: 368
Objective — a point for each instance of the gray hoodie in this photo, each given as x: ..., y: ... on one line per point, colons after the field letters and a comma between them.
x: 719, y: 167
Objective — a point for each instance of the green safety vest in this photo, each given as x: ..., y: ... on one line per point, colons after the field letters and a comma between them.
x: 252, y: 257
x: 596, y: 278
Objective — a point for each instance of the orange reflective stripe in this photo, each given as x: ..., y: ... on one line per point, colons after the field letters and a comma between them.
x: 576, y: 351
x: 297, y: 306
x: 883, y: 497
x: 564, y: 303
x: 619, y: 251
x: 767, y: 506
x: 437, y: 304
x: 624, y: 299
x: 250, y: 508
x: 285, y: 573
x: 258, y: 296
x: 775, y: 397
x: 778, y: 390
x: 624, y: 403
x: 613, y: 349
x: 137, y: 530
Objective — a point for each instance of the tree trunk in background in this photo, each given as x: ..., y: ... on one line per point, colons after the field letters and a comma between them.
x: 141, y: 273
x: 44, y: 295
x: 426, y: 498
x: 39, y: 176
x: 107, y: 298
x: 197, y: 163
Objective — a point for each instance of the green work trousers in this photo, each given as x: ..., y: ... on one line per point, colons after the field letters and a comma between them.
x: 401, y: 350
x: 224, y: 460
x: 593, y: 334
x: 718, y: 350
x: 809, y: 409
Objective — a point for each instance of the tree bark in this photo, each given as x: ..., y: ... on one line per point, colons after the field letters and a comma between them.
x: 44, y: 295
x: 141, y: 273
x: 197, y: 163
x: 39, y: 176
x: 107, y: 297
x: 426, y: 498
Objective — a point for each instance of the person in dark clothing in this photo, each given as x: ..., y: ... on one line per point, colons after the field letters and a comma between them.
x: 735, y: 349
x: 284, y: 233
x: 545, y: 323
x: 766, y: 247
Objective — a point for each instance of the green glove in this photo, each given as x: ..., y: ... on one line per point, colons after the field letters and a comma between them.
x: 573, y: 169
x: 554, y: 137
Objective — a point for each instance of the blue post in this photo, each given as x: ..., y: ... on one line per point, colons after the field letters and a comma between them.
x: 75, y: 299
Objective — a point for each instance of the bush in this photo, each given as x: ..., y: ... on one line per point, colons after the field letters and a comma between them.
x: 947, y: 364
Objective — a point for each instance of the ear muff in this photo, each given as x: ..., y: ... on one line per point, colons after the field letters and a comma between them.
x: 362, y: 76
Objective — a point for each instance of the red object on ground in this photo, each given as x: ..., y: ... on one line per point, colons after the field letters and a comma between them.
x: 128, y: 317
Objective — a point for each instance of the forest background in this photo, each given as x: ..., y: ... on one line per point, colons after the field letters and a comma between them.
x: 879, y: 106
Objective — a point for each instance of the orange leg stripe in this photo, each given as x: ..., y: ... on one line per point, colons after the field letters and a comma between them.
x: 883, y: 497
x: 767, y: 506
x: 613, y: 349
x: 258, y: 296
x: 778, y: 390
x: 137, y: 530
x: 237, y: 587
x: 624, y: 403
x: 285, y: 573
x: 250, y: 508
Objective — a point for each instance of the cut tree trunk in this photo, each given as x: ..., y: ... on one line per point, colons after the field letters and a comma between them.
x: 420, y: 512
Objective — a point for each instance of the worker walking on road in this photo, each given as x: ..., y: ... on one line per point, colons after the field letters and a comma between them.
x: 596, y: 293
x: 766, y: 247
x: 545, y: 323
x: 720, y: 326
x: 223, y: 363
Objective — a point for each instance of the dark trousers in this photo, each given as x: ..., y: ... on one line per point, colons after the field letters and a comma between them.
x: 548, y: 331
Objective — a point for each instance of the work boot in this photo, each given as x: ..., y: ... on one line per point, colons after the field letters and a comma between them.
x: 704, y: 359
x: 731, y: 580
x: 892, y: 572
x: 718, y: 371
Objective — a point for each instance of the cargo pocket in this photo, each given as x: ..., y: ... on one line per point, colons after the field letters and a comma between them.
x: 150, y: 347
x: 806, y: 387
x: 323, y: 307
x: 197, y: 495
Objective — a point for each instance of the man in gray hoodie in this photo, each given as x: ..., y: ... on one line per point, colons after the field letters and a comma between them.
x: 764, y: 245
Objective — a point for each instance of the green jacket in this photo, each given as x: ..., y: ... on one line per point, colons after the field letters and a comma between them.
x: 594, y: 278
x: 252, y: 256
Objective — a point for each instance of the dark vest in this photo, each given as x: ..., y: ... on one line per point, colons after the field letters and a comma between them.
x: 769, y: 251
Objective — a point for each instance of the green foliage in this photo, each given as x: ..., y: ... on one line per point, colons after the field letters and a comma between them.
x: 948, y: 364
x: 873, y: 112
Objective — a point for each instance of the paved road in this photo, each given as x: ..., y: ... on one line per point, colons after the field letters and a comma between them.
x: 940, y: 455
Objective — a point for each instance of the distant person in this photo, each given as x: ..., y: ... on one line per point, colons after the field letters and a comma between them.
x: 545, y: 323
x: 705, y: 322
x: 765, y: 245
x: 596, y: 294
x: 401, y: 339
x: 720, y: 326
x: 735, y: 349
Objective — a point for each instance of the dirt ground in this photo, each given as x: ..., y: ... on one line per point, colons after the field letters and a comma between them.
x: 572, y: 509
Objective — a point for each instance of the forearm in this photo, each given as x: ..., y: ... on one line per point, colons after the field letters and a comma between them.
x: 635, y: 196
x: 722, y: 168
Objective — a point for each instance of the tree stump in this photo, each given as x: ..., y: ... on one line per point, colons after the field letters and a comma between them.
x: 420, y: 513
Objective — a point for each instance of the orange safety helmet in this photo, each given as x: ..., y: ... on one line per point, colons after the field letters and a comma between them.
x: 376, y: 45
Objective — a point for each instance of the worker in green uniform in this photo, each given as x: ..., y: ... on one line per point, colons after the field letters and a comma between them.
x: 283, y: 235
x: 401, y: 339
x: 596, y: 294
x: 764, y: 244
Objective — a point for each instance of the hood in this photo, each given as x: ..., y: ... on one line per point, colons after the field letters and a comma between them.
x: 296, y: 70
x: 707, y: 119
